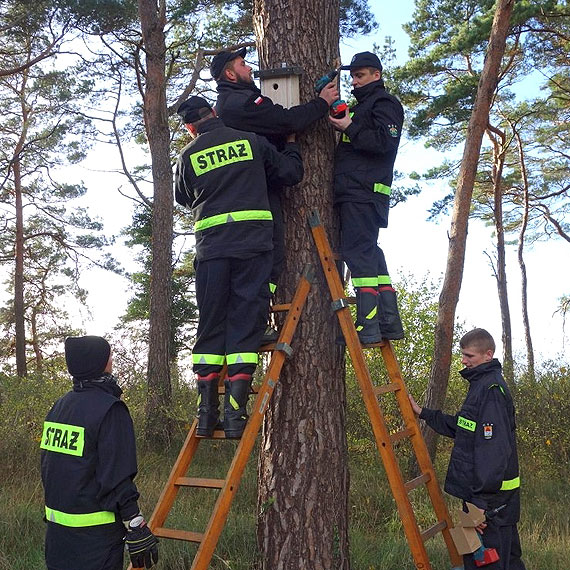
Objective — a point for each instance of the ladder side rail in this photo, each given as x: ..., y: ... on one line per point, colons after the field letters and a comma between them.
x: 420, y: 449
x: 247, y: 442
x: 379, y: 427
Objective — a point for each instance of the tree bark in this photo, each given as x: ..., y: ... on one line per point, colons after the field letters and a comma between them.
x: 520, y: 256
x: 158, y: 425
x: 303, y: 474
x: 439, y: 375
x: 498, y: 139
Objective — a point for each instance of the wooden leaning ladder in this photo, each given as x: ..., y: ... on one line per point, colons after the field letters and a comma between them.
x: 227, y: 487
x: 385, y: 440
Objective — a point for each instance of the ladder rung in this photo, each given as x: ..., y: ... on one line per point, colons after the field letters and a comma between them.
x: 222, y: 388
x: 280, y: 308
x: 218, y: 434
x: 200, y: 482
x: 417, y: 481
x: 399, y: 435
x: 385, y: 388
x: 178, y: 534
x: 432, y: 531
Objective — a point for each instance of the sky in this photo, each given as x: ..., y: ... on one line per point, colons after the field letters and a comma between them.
x: 411, y: 244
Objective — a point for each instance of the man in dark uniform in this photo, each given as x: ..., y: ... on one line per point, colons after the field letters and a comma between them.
x: 364, y: 166
x: 88, y: 467
x: 241, y: 105
x: 222, y: 175
x: 484, y: 469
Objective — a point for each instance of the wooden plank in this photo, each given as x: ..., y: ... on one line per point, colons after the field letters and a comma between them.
x: 432, y: 531
x: 201, y: 482
x: 400, y: 435
x: 386, y: 388
x: 417, y: 481
x: 280, y: 308
x: 186, y: 535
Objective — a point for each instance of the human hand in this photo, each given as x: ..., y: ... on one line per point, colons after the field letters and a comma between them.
x: 329, y: 93
x: 141, y: 543
x: 417, y: 409
x: 481, y: 526
x: 340, y: 123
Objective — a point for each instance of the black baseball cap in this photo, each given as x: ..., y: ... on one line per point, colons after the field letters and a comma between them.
x: 364, y: 59
x: 221, y: 59
x: 194, y: 109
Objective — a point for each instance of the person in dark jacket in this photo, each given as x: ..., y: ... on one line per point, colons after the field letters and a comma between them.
x: 363, y: 172
x: 484, y: 469
x: 222, y: 175
x: 88, y: 467
x: 241, y: 105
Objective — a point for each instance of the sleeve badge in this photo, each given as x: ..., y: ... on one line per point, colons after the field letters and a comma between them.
x: 393, y: 130
x: 487, y: 431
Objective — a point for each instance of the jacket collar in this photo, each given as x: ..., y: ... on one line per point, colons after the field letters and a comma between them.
x: 229, y: 86
x: 361, y: 93
x: 474, y: 374
x: 106, y: 382
x: 210, y: 125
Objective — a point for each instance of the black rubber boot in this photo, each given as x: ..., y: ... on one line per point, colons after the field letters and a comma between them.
x: 208, y: 405
x: 238, y: 388
x: 366, y: 324
x: 270, y: 335
x: 389, y: 316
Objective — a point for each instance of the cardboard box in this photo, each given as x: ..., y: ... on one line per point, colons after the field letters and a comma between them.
x: 464, y: 535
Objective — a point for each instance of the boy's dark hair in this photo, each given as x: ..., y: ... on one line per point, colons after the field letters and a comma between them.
x: 479, y: 338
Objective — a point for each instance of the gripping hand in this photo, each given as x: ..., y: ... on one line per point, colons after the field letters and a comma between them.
x: 141, y: 543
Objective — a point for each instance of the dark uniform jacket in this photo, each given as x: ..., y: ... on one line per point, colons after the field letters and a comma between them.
x: 242, y: 106
x: 483, y: 468
x: 88, y: 465
x: 222, y: 175
x: 365, y: 155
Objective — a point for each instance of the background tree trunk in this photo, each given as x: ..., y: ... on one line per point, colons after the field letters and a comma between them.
x: 303, y: 491
x: 439, y: 376
x: 158, y: 425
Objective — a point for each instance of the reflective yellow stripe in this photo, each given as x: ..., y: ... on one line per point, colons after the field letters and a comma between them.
x: 208, y: 359
x: 233, y: 403
x: 86, y: 519
x: 243, y: 357
x: 382, y: 188
x: 222, y: 155
x: 372, y: 313
x: 365, y: 281
x: 229, y: 217
x: 384, y: 280
x: 63, y: 438
x: 272, y: 288
x: 345, y: 138
x: 469, y: 425
x: 511, y: 484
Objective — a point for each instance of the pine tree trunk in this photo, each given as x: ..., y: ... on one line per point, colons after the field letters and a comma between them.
x: 158, y: 425
x: 303, y: 490
x: 439, y: 375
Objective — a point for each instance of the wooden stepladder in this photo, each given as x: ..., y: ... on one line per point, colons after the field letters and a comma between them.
x: 227, y: 487
x: 385, y: 440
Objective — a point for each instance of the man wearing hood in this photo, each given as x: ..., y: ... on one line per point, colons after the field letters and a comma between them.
x: 364, y: 168
x: 88, y: 467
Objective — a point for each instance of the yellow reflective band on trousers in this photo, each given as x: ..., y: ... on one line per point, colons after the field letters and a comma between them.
x: 469, y: 425
x: 228, y: 218
x: 208, y: 359
x: 222, y: 155
x: 63, y: 438
x: 86, y: 519
x: 243, y: 358
x: 384, y: 280
x: 382, y: 188
x: 511, y: 484
x: 365, y: 281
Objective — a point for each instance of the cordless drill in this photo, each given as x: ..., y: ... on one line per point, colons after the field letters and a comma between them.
x: 483, y: 556
x: 338, y: 107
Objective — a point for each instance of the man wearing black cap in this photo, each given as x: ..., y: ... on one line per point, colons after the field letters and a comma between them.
x: 241, y: 105
x: 222, y: 175
x: 88, y: 466
x: 364, y: 166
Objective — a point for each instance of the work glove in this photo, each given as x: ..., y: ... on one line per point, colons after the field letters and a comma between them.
x: 141, y: 543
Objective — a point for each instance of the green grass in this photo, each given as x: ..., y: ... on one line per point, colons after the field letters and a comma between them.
x: 376, y: 537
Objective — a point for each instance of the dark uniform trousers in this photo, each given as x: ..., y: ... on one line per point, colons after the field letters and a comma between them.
x: 359, y: 224
x: 505, y: 539
x: 233, y: 300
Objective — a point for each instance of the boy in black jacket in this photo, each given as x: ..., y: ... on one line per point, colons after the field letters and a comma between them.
x: 222, y: 175
x: 484, y: 469
x: 363, y: 172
